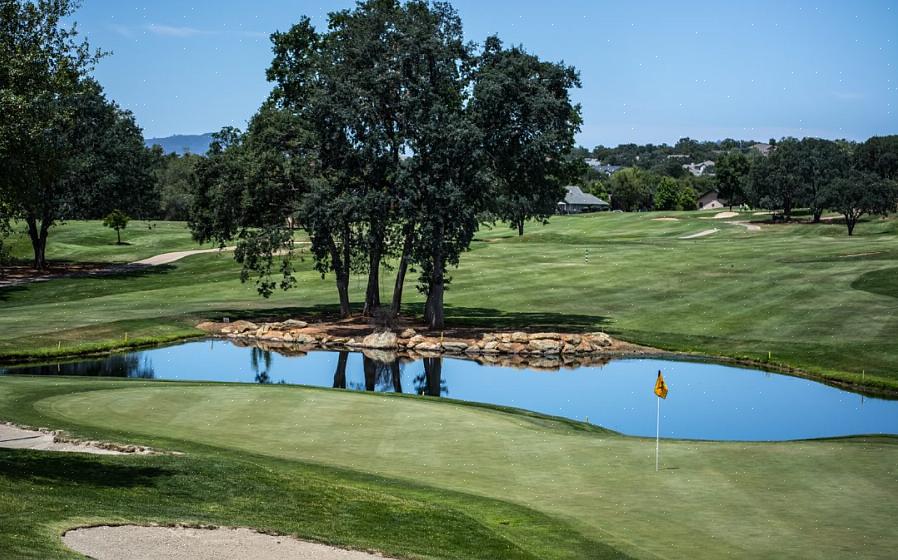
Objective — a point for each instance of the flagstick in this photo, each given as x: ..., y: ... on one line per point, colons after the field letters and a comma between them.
x: 657, y: 433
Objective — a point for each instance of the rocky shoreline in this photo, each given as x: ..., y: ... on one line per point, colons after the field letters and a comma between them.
x: 547, y: 350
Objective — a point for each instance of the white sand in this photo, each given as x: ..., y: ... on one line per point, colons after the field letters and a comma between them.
x: 665, y: 219
x: 131, y: 542
x: 13, y: 437
x: 747, y: 225
x: 166, y: 258
x: 702, y: 233
x: 725, y: 215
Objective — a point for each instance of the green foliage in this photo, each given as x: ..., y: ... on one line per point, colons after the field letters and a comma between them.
x: 879, y: 155
x: 118, y: 221
x: 732, y: 175
x: 523, y: 107
x: 631, y: 190
x: 861, y: 193
x: 174, y: 176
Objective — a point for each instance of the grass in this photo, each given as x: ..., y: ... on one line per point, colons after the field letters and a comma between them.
x: 88, y: 241
x: 423, y: 478
x: 800, y: 295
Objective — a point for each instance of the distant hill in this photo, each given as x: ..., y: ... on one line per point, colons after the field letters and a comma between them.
x: 181, y: 143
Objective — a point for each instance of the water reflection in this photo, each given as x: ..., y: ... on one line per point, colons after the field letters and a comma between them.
x: 137, y: 366
x: 707, y: 401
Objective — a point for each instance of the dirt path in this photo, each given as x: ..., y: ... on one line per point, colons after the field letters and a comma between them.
x: 134, y: 542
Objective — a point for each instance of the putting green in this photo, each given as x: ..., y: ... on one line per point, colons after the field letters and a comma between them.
x: 814, y: 499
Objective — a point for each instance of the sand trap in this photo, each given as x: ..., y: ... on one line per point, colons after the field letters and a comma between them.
x: 725, y: 215
x: 747, y: 225
x: 134, y: 542
x: 14, y: 437
x: 702, y: 233
x: 665, y: 219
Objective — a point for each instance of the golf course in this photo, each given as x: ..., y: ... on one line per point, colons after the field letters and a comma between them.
x: 804, y: 296
x: 465, y: 480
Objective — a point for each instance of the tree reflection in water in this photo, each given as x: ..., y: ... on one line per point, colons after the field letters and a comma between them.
x: 430, y: 381
x: 137, y: 366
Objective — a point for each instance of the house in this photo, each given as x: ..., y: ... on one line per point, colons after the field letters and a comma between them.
x: 698, y: 169
x: 711, y: 200
x: 577, y: 201
x: 763, y: 149
x: 605, y: 168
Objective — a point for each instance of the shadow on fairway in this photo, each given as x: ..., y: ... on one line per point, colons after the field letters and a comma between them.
x: 70, y: 468
x: 456, y: 317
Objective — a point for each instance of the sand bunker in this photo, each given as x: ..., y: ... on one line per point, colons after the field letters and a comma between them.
x: 134, y: 542
x: 665, y: 219
x: 702, y: 233
x: 14, y: 437
x: 721, y: 216
x: 747, y: 225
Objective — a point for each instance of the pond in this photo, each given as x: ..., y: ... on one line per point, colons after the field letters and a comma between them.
x: 706, y: 401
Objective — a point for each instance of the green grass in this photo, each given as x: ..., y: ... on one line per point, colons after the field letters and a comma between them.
x: 89, y: 241
x: 425, y: 478
x: 808, y: 296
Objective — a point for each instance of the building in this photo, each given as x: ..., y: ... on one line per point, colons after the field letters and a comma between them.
x: 576, y: 201
x: 711, y: 201
x: 605, y: 168
x: 698, y: 169
x: 763, y: 149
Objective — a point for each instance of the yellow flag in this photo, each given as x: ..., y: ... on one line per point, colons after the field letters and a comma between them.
x: 661, y: 386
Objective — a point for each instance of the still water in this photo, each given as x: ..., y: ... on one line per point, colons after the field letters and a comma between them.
x: 706, y: 401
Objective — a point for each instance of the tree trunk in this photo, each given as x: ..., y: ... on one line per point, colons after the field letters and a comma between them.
x: 372, y: 293
x: 521, y: 228
x: 436, y: 319
x: 818, y: 212
x: 340, y: 264
x: 370, y: 369
x: 38, y: 235
x: 400, y: 273
x: 343, y: 291
x: 850, y: 221
x: 118, y: 234
x: 340, y: 373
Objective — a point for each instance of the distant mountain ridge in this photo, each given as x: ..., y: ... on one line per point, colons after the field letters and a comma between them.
x: 182, y: 143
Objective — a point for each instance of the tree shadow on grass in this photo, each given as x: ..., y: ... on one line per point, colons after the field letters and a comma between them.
x: 457, y: 317
x: 62, y: 468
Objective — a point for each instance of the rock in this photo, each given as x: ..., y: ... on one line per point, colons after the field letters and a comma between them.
x: 454, y: 346
x: 505, y: 337
x: 568, y: 348
x: 489, y: 337
x: 511, y: 347
x: 571, y: 339
x: 407, y: 333
x: 473, y: 349
x: 545, y: 336
x: 382, y: 356
x: 303, y: 338
x: 288, y: 337
x: 600, y: 339
x: 545, y: 346
x: 384, y: 340
x: 339, y: 340
x: 416, y: 340
x: 584, y: 347
x: 520, y: 337
x: 491, y: 347
x: 209, y: 326
x: 238, y: 327
x: 429, y: 346
x: 295, y: 324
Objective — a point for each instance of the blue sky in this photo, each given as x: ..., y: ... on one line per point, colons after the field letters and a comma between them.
x: 651, y: 71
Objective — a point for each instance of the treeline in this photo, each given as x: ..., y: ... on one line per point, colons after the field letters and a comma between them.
x: 850, y: 178
x: 388, y: 139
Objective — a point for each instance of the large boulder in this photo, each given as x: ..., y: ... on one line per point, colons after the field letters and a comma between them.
x: 600, y: 339
x: 295, y: 324
x: 491, y: 347
x: 520, y: 337
x: 384, y: 340
x: 429, y: 346
x: 455, y: 346
x: 545, y: 346
x: 545, y: 336
x: 407, y: 333
x: 512, y: 348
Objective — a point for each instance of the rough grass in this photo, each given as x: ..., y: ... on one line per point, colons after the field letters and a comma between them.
x: 388, y: 471
x: 800, y: 295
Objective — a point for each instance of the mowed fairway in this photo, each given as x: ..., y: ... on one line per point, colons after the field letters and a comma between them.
x: 814, y: 499
x: 803, y: 295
